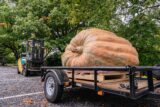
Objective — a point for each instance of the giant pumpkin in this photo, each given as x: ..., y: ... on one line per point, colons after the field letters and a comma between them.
x: 96, y: 47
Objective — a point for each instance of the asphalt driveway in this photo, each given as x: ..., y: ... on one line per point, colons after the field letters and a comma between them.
x: 19, y: 91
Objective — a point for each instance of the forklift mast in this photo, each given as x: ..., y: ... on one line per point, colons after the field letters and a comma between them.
x: 32, y: 57
x: 35, y: 50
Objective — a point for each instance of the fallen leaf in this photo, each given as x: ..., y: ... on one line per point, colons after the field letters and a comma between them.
x: 28, y: 101
x: 44, y: 103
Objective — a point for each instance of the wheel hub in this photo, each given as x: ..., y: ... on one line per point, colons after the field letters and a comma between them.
x: 50, y: 86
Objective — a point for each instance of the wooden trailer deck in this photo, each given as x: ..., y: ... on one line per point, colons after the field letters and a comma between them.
x: 110, y: 80
x: 115, y: 85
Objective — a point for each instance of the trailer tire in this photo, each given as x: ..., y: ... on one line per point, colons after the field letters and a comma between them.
x: 52, y: 89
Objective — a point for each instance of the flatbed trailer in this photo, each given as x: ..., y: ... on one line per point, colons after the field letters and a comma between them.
x: 56, y: 79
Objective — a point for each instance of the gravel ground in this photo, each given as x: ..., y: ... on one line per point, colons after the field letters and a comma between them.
x: 19, y: 91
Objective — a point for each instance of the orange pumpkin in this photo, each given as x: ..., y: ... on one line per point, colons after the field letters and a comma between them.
x: 96, y: 47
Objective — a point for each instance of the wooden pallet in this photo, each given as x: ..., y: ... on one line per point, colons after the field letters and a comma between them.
x: 109, y: 77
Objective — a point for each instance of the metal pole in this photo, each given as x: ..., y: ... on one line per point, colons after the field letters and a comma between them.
x: 132, y: 82
x: 73, y: 72
x: 33, y: 49
x: 95, y: 80
x: 150, y: 81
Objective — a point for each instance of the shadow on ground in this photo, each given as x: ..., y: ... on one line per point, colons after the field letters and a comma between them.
x: 89, y: 98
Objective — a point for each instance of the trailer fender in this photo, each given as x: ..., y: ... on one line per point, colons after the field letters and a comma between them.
x: 60, y: 75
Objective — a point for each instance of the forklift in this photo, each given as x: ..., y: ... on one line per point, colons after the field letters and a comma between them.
x: 31, y: 57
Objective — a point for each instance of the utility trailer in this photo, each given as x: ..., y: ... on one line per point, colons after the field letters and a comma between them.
x: 56, y: 79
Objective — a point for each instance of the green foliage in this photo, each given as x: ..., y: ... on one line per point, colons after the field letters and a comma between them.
x: 10, y: 58
x: 54, y: 59
x: 57, y: 21
x: 142, y: 29
x: 30, y: 25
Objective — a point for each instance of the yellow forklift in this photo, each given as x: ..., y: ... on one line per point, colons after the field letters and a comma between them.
x: 31, y: 57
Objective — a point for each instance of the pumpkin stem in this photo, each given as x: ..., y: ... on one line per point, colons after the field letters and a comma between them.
x: 78, y: 49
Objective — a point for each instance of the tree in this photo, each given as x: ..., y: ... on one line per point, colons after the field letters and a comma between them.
x: 8, y: 40
x: 57, y: 21
x: 29, y: 26
x: 142, y: 28
x: 11, y: 44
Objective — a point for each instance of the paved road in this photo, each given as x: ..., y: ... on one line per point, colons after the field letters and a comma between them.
x: 19, y: 91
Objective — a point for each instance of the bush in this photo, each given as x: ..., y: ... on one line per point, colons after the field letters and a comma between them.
x: 54, y: 58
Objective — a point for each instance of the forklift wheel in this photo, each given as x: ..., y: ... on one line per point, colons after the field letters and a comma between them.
x: 25, y: 72
x: 52, y: 90
x: 18, y: 71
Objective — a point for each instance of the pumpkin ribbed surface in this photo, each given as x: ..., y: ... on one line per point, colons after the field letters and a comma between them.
x: 96, y: 47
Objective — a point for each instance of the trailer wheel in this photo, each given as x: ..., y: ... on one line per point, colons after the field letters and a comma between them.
x: 52, y: 90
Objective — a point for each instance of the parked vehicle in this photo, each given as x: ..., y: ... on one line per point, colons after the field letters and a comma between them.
x: 31, y: 57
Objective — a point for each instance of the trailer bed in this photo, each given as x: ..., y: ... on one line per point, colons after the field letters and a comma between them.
x: 142, y: 85
x: 109, y: 82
